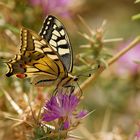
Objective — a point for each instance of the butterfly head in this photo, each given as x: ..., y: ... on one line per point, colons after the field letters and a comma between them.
x: 75, y: 78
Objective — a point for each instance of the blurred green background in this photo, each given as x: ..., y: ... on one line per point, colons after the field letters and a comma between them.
x: 115, y: 96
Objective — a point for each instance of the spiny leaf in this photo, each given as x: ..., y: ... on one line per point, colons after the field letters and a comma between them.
x: 137, y: 1
x: 135, y: 17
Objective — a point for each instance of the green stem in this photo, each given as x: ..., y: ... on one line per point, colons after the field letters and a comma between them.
x: 93, y: 78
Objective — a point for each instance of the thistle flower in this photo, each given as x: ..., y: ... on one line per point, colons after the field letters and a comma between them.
x: 137, y: 134
x: 126, y: 62
x: 62, y: 107
x: 59, y: 6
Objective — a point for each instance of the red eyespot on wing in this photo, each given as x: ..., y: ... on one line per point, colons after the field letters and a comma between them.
x: 21, y: 75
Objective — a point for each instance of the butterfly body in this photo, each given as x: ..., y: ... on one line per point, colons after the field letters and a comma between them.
x: 46, y: 57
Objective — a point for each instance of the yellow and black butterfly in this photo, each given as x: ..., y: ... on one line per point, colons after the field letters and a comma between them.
x: 46, y: 57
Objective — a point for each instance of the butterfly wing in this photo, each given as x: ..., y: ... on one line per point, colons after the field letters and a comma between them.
x: 36, y: 58
x: 15, y: 66
x: 55, y: 34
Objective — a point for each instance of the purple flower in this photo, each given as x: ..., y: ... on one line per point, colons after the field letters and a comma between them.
x: 55, y: 6
x: 137, y: 134
x: 126, y: 63
x: 82, y: 114
x: 63, y: 107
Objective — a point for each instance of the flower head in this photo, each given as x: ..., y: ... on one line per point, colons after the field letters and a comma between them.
x: 126, y: 62
x: 63, y: 108
x: 137, y: 134
x: 59, y: 6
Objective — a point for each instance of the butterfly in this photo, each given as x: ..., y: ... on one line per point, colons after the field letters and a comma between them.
x: 47, y: 57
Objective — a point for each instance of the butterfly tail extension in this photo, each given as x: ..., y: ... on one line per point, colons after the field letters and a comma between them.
x: 16, y: 66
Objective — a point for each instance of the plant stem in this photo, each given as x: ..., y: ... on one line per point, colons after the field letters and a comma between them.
x: 92, y: 79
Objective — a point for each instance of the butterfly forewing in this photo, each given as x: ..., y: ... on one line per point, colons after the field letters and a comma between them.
x: 55, y: 34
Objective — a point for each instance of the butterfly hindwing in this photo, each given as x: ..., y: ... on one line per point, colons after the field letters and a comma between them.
x: 55, y: 34
x: 15, y: 66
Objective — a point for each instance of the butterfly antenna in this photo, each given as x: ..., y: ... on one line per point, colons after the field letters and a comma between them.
x: 94, y: 69
x: 82, y: 75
